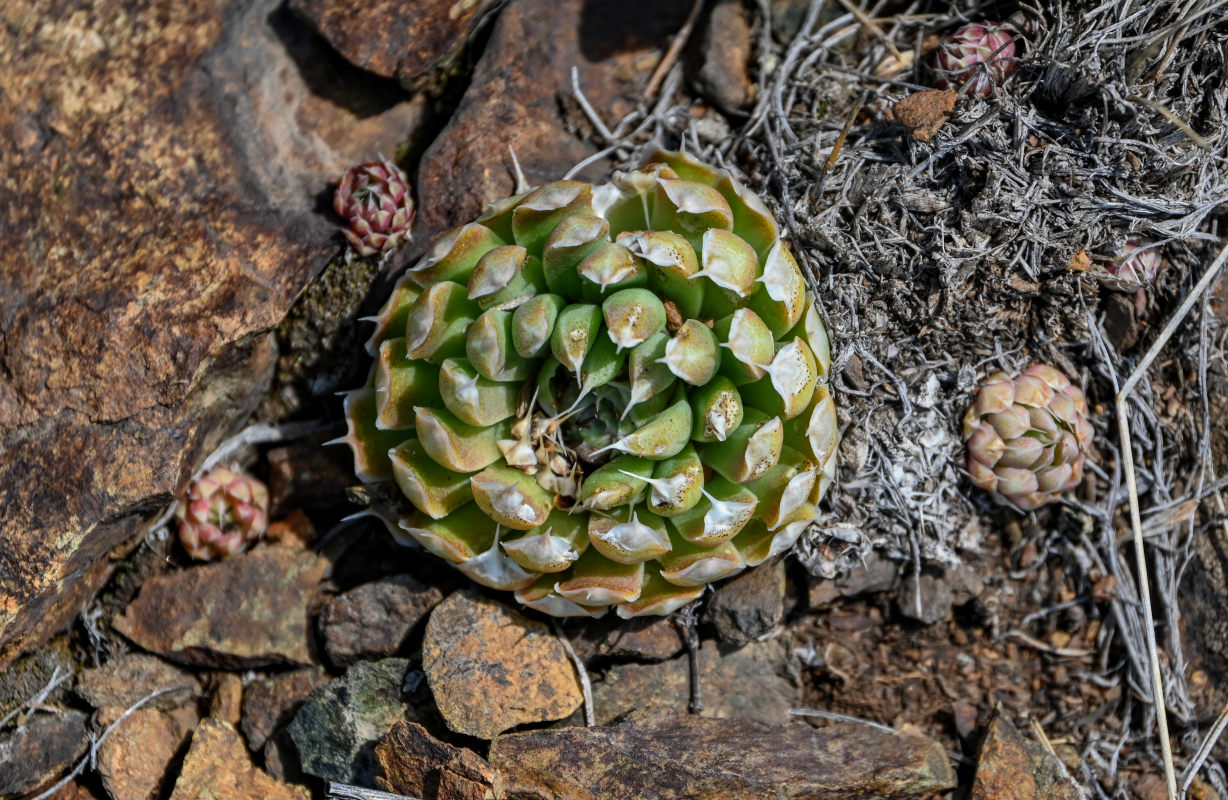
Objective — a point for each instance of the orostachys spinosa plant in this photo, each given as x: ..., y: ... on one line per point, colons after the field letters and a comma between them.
x: 375, y: 201
x: 1027, y: 436
x: 603, y: 396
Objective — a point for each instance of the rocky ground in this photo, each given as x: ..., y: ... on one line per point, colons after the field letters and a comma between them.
x: 169, y: 275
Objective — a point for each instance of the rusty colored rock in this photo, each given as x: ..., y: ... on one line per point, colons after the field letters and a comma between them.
x: 748, y: 606
x: 723, y: 71
x: 518, y: 88
x: 270, y: 703
x: 636, y: 639
x: 923, y: 113
x: 412, y: 762
x: 1011, y: 767
x: 133, y: 759
x: 667, y: 756
x: 381, y: 37
x: 40, y: 751
x: 491, y: 668
x: 375, y: 619
x: 248, y: 611
x: 160, y: 174
x: 129, y: 677
x: 217, y: 766
x: 227, y: 701
x: 760, y: 681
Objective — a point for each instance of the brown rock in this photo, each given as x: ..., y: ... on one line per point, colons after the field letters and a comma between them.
x: 412, y: 762
x: 760, y: 681
x: 724, y: 58
x: 877, y: 574
x: 294, y: 530
x: 491, y: 668
x: 245, y: 612
x: 40, y: 751
x: 639, y: 639
x: 1121, y: 322
x: 308, y: 474
x: 31, y: 674
x: 750, y: 605
x: 76, y: 789
x: 923, y: 113
x: 162, y: 177
x: 129, y: 677
x: 227, y: 701
x: 217, y: 766
x: 375, y: 619
x: 667, y: 756
x: 518, y: 89
x: 133, y: 759
x: 381, y: 37
x: 270, y: 703
x: 1011, y: 767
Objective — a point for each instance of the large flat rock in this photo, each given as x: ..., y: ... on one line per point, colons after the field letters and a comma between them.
x: 160, y: 180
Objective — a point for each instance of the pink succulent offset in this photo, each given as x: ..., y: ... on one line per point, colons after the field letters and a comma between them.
x: 374, y: 199
x: 223, y: 512
x: 980, y: 54
x: 1027, y: 436
x: 1137, y: 263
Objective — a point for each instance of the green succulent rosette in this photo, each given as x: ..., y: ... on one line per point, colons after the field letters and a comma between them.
x: 603, y: 396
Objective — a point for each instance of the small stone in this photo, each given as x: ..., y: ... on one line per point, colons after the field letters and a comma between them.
x: 936, y: 592
x: 40, y: 751
x: 414, y: 763
x: 923, y: 113
x: 1011, y: 767
x: 668, y: 756
x: 1120, y: 321
x: 748, y: 606
x: 227, y: 701
x: 217, y: 766
x: 380, y: 37
x: 724, y: 59
x: 491, y: 668
x: 636, y: 639
x: 293, y: 530
x: 339, y: 723
x: 374, y: 620
x: 133, y: 759
x: 128, y: 677
x: 30, y: 675
x: 270, y: 703
x: 769, y: 667
x: 875, y: 574
x: 245, y: 612
x: 964, y: 714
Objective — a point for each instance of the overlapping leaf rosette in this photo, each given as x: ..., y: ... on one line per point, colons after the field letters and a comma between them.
x: 603, y: 396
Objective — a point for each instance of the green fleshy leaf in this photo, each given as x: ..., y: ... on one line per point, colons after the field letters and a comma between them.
x: 434, y: 490
x: 749, y: 451
x: 400, y: 384
x: 454, y: 255
x: 456, y: 445
x: 533, y: 322
x: 511, y: 498
x: 473, y: 398
x: 437, y: 321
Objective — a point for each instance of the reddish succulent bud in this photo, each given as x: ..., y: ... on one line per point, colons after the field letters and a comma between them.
x: 1027, y: 436
x: 981, y: 55
x: 223, y: 512
x: 373, y: 198
x: 1136, y: 263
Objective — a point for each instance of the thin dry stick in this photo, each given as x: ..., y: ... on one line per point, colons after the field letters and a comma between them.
x: 345, y: 791
x: 586, y: 686
x: 1136, y: 523
x: 671, y: 55
x: 1204, y: 750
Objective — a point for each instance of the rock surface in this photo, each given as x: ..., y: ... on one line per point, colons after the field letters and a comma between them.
x: 491, y: 668
x: 760, y: 681
x: 375, y: 619
x: 665, y: 756
x: 1011, y: 767
x: 338, y: 725
x: 40, y: 751
x: 876, y: 574
x: 412, y: 762
x: 924, y: 113
x: 128, y: 677
x: 133, y: 759
x: 518, y: 90
x: 248, y: 611
x: 638, y: 639
x: 750, y: 605
x: 270, y: 703
x: 722, y: 73
x: 381, y: 38
x: 217, y: 766
x: 160, y: 178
